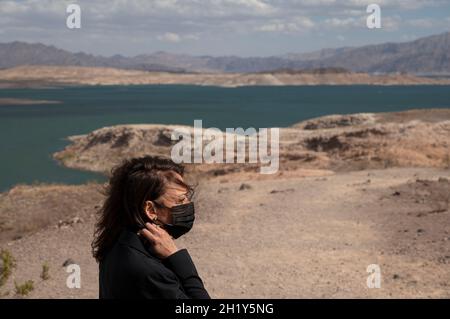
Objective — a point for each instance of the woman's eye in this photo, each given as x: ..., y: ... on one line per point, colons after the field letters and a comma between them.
x: 182, y: 199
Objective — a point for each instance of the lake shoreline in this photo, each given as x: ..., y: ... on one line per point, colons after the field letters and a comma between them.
x: 84, y: 109
x: 15, y: 101
x: 41, y: 76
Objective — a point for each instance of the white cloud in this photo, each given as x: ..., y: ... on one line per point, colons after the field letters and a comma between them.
x: 256, y: 6
x: 296, y: 24
x: 12, y: 7
x: 175, y: 38
x: 213, y: 13
x: 184, y: 21
x: 169, y: 37
x: 343, y: 22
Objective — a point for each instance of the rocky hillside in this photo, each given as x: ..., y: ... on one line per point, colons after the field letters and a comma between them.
x: 20, y: 53
x: 429, y: 55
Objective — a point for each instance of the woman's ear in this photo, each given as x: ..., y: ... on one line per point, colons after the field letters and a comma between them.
x: 149, y: 210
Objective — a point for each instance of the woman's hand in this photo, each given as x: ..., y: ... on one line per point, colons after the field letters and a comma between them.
x: 161, y: 242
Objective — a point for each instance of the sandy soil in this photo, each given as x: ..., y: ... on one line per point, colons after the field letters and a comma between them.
x: 28, y: 208
x: 285, y: 238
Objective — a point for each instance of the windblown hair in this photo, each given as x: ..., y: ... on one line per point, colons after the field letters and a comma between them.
x: 132, y: 183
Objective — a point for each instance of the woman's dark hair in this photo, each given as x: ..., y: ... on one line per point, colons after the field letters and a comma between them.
x: 132, y: 183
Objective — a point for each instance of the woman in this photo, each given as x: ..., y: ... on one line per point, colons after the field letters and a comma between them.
x: 147, y: 205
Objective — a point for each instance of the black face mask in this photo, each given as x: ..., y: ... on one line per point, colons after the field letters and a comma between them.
x: 183, y: 217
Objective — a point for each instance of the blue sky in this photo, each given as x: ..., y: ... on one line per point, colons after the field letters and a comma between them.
x: 218, y: 27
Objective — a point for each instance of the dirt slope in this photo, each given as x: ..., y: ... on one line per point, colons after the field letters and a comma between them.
x: 285, y: 238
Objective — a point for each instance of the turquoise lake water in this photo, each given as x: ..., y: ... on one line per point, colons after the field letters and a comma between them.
x: 30, y: 134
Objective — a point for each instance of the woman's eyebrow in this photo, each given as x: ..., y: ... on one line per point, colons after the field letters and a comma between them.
x: 178, y: 197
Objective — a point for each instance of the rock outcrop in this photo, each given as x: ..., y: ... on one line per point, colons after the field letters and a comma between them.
x: 418, y: 138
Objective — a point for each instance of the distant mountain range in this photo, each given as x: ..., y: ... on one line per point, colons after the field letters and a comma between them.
x: 429, y: 55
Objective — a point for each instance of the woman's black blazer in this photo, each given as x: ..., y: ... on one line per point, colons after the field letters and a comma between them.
x: 130, y: 270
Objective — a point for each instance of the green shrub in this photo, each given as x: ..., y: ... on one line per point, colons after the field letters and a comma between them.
x: 7, y: 264
x: 25, y: 288
x: 45, y: 272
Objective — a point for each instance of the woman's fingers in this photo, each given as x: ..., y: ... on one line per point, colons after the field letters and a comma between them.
x: 148, y: 235
x: 152, y: 228
x: 163, y: 245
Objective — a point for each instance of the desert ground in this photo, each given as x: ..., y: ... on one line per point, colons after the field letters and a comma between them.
x: 36, y: 76
x: 352, y: 190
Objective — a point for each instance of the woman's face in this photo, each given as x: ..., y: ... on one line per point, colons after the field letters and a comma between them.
x: 174, y: 195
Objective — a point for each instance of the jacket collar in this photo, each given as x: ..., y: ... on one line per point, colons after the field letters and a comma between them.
x: 132, y: 239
